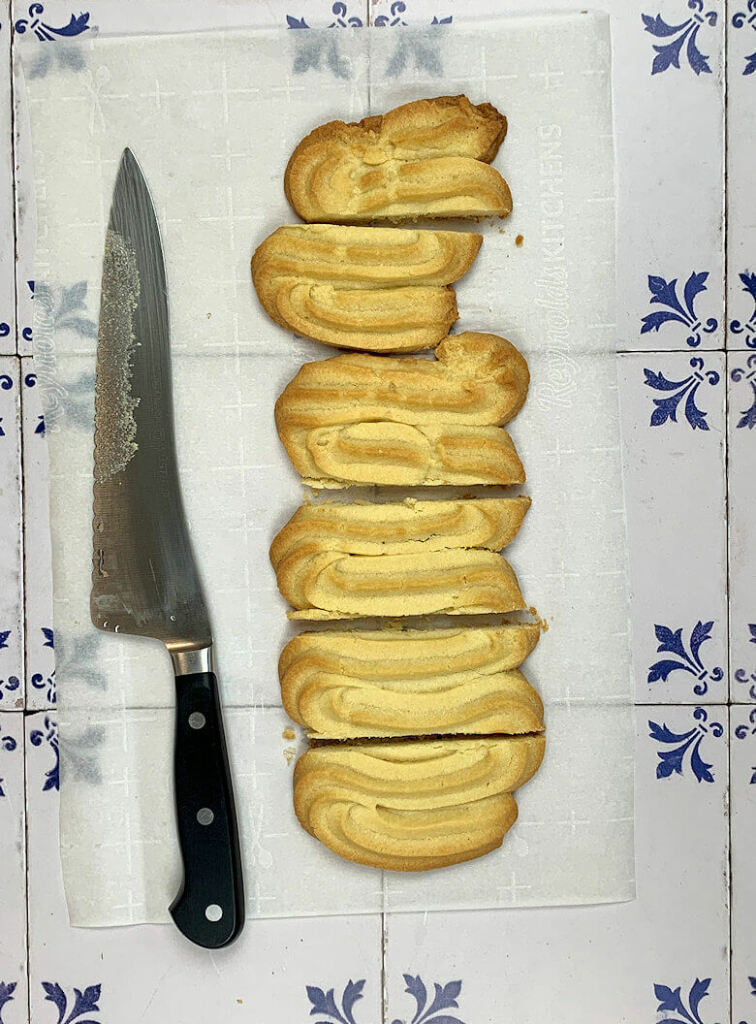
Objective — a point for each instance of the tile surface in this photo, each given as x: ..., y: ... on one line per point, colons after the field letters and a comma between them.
x: 263, y: 976
x: 663, y: 957
x: 7, y: 269
x: 741, y: 216
x: 11, y: 570
x: 741, y: 504
x: 40, y: 654
x: 674, y: 435
x: 12, y: 871
x: 668, y: 75
x: 743, y: 802
x: 623, y: 962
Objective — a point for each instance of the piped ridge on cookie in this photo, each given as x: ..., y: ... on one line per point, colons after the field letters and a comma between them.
x: 428, y: 158
x: 362, y: 419
x: 377, y: 289
x: 415, y: 805
x: 433, y: 557
x: 391, y: 683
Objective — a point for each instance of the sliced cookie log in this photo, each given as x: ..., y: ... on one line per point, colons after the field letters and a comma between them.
x: 433, y: 556
x: 362, y: 419
x: 377, y: 289
x: 428, y: 158
x: 414, y: 805
x: 389, y: 683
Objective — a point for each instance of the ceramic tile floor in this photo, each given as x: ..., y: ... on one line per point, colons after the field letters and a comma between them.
x: 685, y: 949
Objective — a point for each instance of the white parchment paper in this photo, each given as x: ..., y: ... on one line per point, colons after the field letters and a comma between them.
x: 212, y: 119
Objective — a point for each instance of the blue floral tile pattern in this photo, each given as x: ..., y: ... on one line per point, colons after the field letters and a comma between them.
x: 741, y: 19
x: 664, y: 293
x: 742, y: 731
x: 747, y: 415
x: 748, y: 280
x: 316, y: 51
x: 8, y: 684
x: 413, y: 50
x: 7, y: 988
x: 394, y: 17
x: 682, y: 746
x: 342, y: 19
x: 8, y: 744
x: 85, y: 1009
x: 324, y: 1003
x: 46, y: 684
x: 668, y: 53
x: 686, y: 659
x: 30, y: 381
x: 687, y: 388
x: 741, y: 674
x: 444, y: 998
x: 49, y: 735
x: 683, y: 1009
x: 39, y: 69
x: 45, y: 32
x: 428, y: 1010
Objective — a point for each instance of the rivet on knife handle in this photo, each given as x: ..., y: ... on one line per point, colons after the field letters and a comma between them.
x: 209, y: 908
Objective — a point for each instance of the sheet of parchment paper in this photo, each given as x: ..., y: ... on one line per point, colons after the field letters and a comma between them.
x: 213, y: 119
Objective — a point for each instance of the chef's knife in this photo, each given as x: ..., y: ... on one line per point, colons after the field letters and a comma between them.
x: 144, y: 578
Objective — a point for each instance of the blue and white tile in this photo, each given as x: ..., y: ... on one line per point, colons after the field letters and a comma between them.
x: 40, y: 653
x: 741, y: 150
x: 11, y: 562
x: 278, y: 969
x: 110, y: 17
x: 25, y: 206
x: 673, y: 420
x: 662, y: 957
x: 12, y: 871
x: 743, y: 833
x: 7, y: 287
x: 41, y: 26
x: 668, y: 75
x: 742, y: 539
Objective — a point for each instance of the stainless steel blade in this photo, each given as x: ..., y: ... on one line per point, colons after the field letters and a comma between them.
x: 144, y: 577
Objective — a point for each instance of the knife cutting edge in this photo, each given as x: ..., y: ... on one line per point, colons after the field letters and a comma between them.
x: 144, y: 577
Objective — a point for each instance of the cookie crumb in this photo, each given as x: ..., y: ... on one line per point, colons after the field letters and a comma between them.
x: 519, y: 240
x: 288, y: 734
x: 289, y: 753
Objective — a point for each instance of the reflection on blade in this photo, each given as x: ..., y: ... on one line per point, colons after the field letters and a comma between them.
x: 144, y: 578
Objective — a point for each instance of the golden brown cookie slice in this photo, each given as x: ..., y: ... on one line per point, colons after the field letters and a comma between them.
x: 428, y: 158
x: 362, y: 419
x: 414, y: 805
x: 378, y: 289
x: 387, y: 683
x: 433, y: 556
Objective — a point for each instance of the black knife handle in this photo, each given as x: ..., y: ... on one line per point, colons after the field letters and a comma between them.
x: 209, y: 909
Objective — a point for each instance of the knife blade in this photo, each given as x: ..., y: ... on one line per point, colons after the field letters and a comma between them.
x: 145, y: 581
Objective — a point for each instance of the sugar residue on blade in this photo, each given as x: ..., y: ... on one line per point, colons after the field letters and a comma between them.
x: 115, y: 427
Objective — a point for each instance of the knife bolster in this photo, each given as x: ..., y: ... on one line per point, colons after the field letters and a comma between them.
x: 191, y: 662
